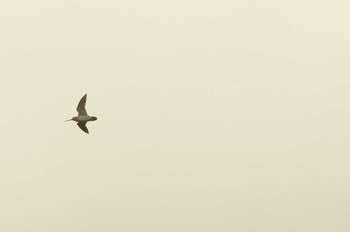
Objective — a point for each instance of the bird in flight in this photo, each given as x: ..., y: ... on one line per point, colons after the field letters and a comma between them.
x: 82, y: 117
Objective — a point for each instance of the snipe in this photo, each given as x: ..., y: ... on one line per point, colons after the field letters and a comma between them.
x: 82, y: 117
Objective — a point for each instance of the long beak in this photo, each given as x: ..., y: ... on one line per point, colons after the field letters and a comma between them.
x: 68, y: 120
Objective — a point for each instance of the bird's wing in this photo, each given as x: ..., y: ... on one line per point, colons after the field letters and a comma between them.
x: 81, y: 106
x: 82, y: 126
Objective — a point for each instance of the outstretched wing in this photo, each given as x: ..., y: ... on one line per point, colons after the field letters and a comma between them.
x: 82, y: 126
x: 81, y: 106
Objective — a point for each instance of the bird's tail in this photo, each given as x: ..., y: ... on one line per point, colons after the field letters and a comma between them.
x: 68, y: 120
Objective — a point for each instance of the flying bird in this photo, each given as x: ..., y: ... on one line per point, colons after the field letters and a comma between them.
x: 82, y: 117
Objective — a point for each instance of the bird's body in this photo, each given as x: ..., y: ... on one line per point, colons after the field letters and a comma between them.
x: 82, y: 117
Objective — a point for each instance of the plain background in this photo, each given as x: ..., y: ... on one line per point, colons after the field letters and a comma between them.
x: 212, y: 116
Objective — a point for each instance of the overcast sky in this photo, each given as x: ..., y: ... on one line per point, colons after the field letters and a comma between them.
x: 212, y: 116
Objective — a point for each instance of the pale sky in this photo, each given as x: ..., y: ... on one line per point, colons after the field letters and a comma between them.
x: 212, y: 116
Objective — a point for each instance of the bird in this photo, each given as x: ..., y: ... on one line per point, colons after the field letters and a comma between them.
x: 82, y: 117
